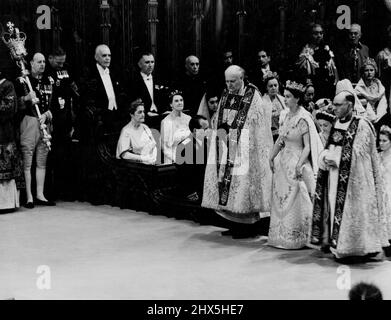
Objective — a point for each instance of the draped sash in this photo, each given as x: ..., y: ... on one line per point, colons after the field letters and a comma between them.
x: 240, y: 103
x: 321, y: 213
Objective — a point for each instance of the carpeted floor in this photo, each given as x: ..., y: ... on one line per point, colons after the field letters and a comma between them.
x: 108, y: 253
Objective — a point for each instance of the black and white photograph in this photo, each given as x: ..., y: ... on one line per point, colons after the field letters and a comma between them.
x: 173, y: 151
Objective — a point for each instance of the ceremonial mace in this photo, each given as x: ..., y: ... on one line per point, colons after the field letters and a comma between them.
x: 14, y: 40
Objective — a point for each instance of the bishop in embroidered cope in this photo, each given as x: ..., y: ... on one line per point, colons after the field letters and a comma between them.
x: 349, y: 208
x: 238, y: 178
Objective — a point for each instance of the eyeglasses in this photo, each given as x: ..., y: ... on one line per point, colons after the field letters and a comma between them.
x: 317, y: 32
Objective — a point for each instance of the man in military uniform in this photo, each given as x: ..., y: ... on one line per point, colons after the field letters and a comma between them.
x: 64, y: 102
x: 35, y: 130
x: 316, y: 64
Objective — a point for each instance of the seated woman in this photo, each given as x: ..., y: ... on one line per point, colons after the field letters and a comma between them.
x: 324, y: 121
x: 136, y: 142
x: 174, y: 127
x: 372, y: 92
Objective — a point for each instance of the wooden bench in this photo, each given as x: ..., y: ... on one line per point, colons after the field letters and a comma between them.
x: 150, y: 188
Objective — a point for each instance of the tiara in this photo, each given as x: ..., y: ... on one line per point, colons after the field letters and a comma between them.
x: 175, y: 93
x: 324, y: 115
x: 371, y: 62
x: 294, y: 85
x: 270, y: 74
x: 137, y: 102
x: 385, y: 128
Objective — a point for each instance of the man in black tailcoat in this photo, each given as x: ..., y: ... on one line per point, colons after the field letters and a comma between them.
x: 103, y: 116
x: 150, y: 91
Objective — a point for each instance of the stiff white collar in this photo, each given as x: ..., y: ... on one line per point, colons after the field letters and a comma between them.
x: 145, y: 77
x: 101, y: 70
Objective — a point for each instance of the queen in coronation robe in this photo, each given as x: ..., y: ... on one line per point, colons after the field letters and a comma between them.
x: 349, y: 215
x: 294, y: 162
x: 238, y: 178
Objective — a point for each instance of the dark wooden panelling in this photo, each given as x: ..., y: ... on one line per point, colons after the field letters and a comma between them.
x: 77, y: 27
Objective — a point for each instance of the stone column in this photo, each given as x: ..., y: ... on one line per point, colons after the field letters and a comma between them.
x: 105, y: 21
x: 198, y: 17
x: 241, y: 14
x: 322, y: 11
x: 56, y: 25
x: 282, y: 8
x: 172, y: 37
x: 153, y: 22
x: 127, y: 33
x: 361, y: 10
x: 79, y: 36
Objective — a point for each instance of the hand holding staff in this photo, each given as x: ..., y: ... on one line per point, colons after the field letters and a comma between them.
x: 15, y: 40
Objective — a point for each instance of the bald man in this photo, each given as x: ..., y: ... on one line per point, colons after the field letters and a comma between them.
x: 350, y: 58
x: 192, y: 84
x: 103, y: 114
x: 31, y: 136
x: 103, y: 94
x: 349, y: 216
x: 242, y: 138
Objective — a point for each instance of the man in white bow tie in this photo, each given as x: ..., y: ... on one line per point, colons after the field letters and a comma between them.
x: 102, y: 104
x: 103, y: 60
x: 147, y: 65
x: 102, y: 94
x: 146, y: 88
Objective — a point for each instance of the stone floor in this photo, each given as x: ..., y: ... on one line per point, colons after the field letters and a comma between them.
x: 99, y: 252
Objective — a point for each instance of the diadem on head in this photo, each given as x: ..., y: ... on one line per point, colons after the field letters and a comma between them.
x: 137, y: 102
x: 370, y: 62
x: 175, y: 93
x: 270, y: 74
x: 294, y: 86
x: 324, y: 115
